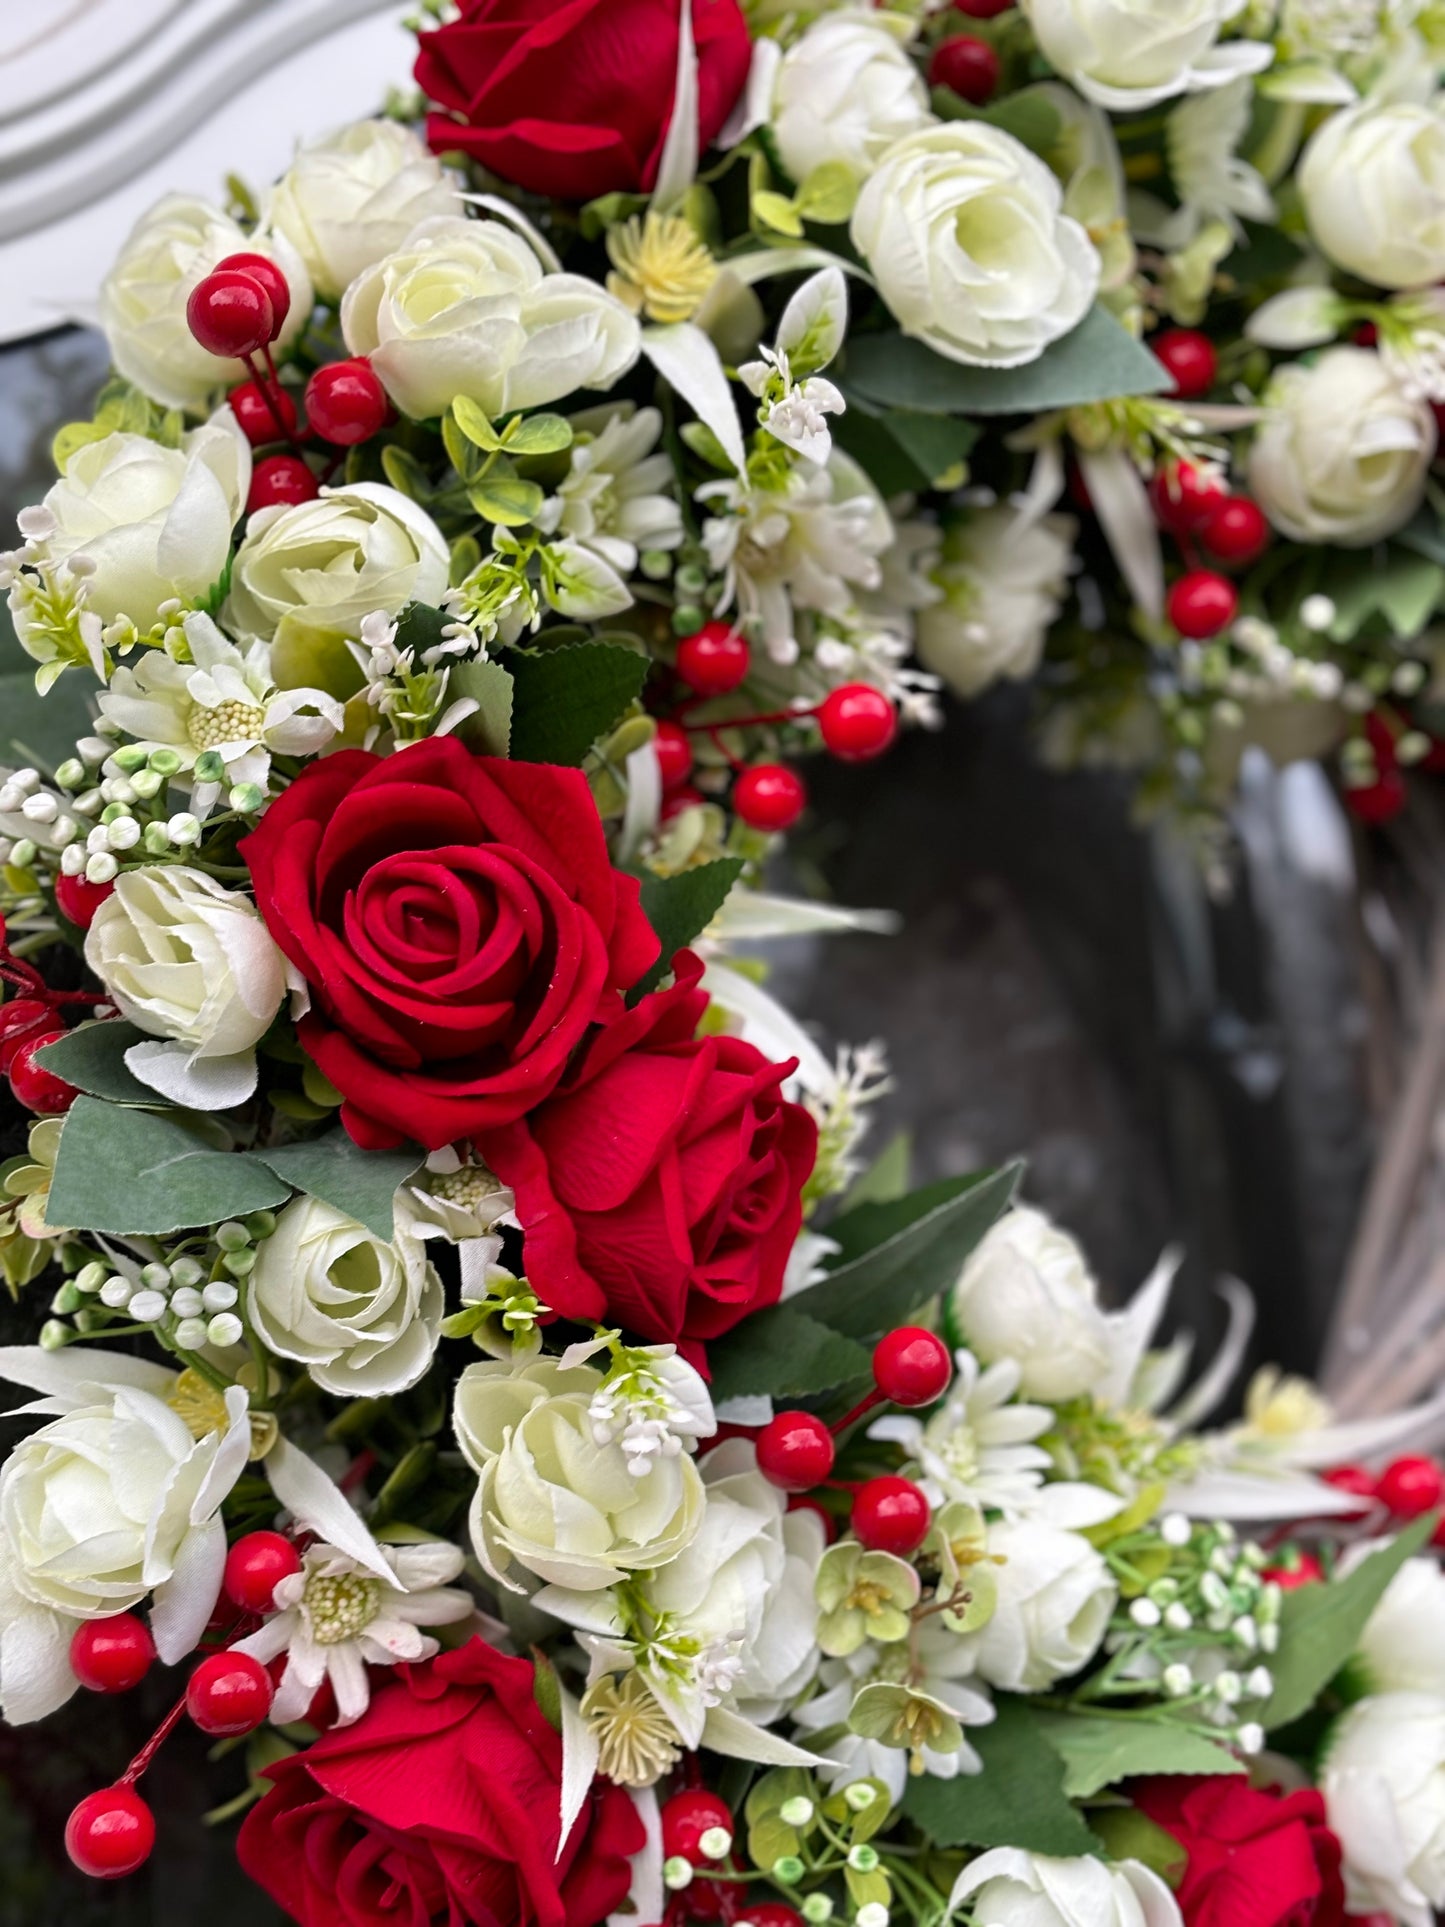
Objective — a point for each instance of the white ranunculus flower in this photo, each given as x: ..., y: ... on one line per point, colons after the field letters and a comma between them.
x: 193, y: 964
x: 1384, y: 1788
x: 324, y: 566
x: 1004, y: 577
x: 618, y: 497
x: 1027, y: 1294
x: 845, y: 91
x: 1402, y: 1648
x: 549, y: 1496
x: 1128, y: 54
x: 363, y: 1315
x: 1343, y: 453
x: 965, y: 233
x: 1011, y: 1888
x: 1055, y: 1598
x: 354, y: 196
x: 466, y: 308
x: 143, y: 298
x: 1373, y: 183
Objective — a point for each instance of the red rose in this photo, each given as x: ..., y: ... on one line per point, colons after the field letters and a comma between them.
x: 441, y: 1804
x: 459, y: 923
x: 1255, y: 1859
x: 573, y: 98
x: 662, y: 1185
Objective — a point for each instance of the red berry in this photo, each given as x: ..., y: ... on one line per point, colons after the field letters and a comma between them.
x: 110, y: 1833
x: 686, y: 1817
x: 1190, y: 360
x: 345, y: 402
x: 79, y: 900
x: 857, y: 722
x: 795, y: 1451
x: 1367, y: 335
x: 229, y: 1693
x: 715, y: 660
x: 1352, y: 1478
x: 22, y: 1018
x: 890, y: 1515
x: 770, y: 1913
x: 798, y: 1503
x: 111, y: 1655
x: 262, y: 268
x: 673, y: 747
x: 281, y: 478
x: 1184, y: 496
x: 38, y: 1089
x: 911, y: 1366
x: 255, y: 1566
x: 230, y: 313
x: 770, y: 797
x: 1202, y: 603
x: 1306, y: 1571
x: 1236, y: 531
x: 1411, y: 1486
x: 982, y: 9
x: 1378, y: 802
x: 257, y: 409
x: 968, y: 67
x: 684, y: 797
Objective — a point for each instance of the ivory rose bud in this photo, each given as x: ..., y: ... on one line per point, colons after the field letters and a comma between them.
x: 845, y: 91
x: 1128, y: 54
x: 1384, y: 1788
x: 965, y: 233
x: 466, y: 308
x: 1402, y: 1649
x: 1027, y: 1294
x: 1343, y: 453
x: 1055, y: 1597
x: 143, y: 299
x: 1011, y: 1888
x: 354, y: 196
x: 1003, y: 579
x: 362, y: 1315
x: 1373, y: 182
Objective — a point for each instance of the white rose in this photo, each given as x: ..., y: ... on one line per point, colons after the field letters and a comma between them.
x: 845, y: 91
x: 466, y: 308
x: 143, y: 298
x: 354, y: 196
x: 1128, y: 54
x: 324, y: 566
x: 1011, y: 1888
x: 191, y: 962
x: 965, y: 233
x: 1373, y: 183
x: 1402, y: 1648
x: 155, y: 523
x: 1343, y: 453
x: 362, y: 1315
x: 569, y: 1510
x: 1384, y: 1788
x: 1027, y: 1294
x: 1004, y: 577
x: 1055, y: 1598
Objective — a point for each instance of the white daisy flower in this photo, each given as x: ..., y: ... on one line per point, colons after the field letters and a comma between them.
x: 616, y: 499
x: 977, y: 1446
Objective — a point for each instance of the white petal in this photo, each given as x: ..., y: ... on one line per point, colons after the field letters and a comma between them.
x: 183, y: 1603
x: 193, y: 1082
x: 317, y: 1502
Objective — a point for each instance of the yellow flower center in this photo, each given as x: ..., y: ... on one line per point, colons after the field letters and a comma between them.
x: 869, y: 1597
x: 232, y: 722
x: 467, y: 1188
x: 340, y: 1606
x: 661, y: 269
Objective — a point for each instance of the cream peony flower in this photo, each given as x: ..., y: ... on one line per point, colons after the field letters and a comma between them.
x: 1128, y: 54
x: 1008, y: 1887
x: 618, y: 496
x: 845, y: 91
x: 466, y: 308
x: 1054, y: 1601
x: 1027, y: 1294
x: 1373, y: 184
x: 1004, y: 577
x: 1384, y: 1788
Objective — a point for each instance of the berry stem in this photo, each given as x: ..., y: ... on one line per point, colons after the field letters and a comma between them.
x: 752, y: 722
x: 839, y: 1426
x: 268, y: 387
x: 154, y: 1744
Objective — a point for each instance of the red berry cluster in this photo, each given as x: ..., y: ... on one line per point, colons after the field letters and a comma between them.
x: 1382, y: 799
x: 1198, y: 510
x: 35, y: 1016
x: 1407, y: 1489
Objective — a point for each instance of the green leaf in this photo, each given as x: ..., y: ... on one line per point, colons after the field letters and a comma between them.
x: 506, y: 499
x: 420, y: 627
x: 1320, y: 1626
x: 681, y: 907
x: 1402, y: 587
x: 141, y: 1175
x: 1425, y: 535
x: 1127, y: 1835
x: 92, y: 1058
x: 565, y: 699
x: 474, y: 422
x: 903, y: 450
x: 406, y: 474
x: 44, y: 729
x: 362, y: 1184
x: 1099, y: 1749
x: 488, y: 731
x: 1099, y: 361
x: 782, y: 1353
x: 778, y: 212
x: 1017, y: 1801
x: 1030, y: 118
x: 886, y: 1179
x: 538, y: 435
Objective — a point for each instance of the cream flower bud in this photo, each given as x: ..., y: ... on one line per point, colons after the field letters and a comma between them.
x: 845, y: 91
x: 1402, y: 1649
x: 1009, y: 1887
x: 1128, y: 54
x: 1373, y: 184
x: 1004, y: 579
x: 1027, y: 1294
x: 1055, y: 1597
x: 1384, y: 1788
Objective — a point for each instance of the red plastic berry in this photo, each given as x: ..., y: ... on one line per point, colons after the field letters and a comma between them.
x: 255, y: 1566
x: 281, y: 479
x: 257, y: 412
x: 1190, y: 360
x: 890, y: 1515
x: 1184, y: 497
x: 79, y: 900
x: 795, y: 1451
x: 1367, y: 335
x: 771, y: 1913
x: 1355, y: 1479
x: 857, y: 722
x: 673, y: 747
x: 1378, y: 802
x: 799, y: 1503
x: 21, y: 1019
x: 715, y: 660
x: 38, y: 1089
x: 229, y: 1693
x: 982, y: 9
x: 1201, y: 604
x: 1236, y: 532
x: 262, y: 268
x: 345, y: 402
x: 770, y: 797
x: 968, y: 67
x: 911, y: 1366
x: 111, y: 1655
x: 686, y: 1817
x: 684, y: 797
x: 110, y: 1833
x: 1306, y: 1571
x: 1411, y: 1486
x: 230, y: 313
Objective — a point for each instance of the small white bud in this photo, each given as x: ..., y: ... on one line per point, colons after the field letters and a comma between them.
x: 191, y: 1334
x: 187, y: 1302
x: 874, y: 1914
x: 1260, y: 1683
x: 184, y: 829
x: 1178, y: 1617
x: 676, y: 1873
x: 225, y: 1329
x: 115, y: 1292
x: 715, y: 1843
x: 101, y: 868
x: 1250, y: 1737
x: 1145, y: 1613
x: 40, y: 808
x: 72, y: 859
x: 1317, y: 612
x: 1177, y: 1679
x: 1229, y: 1687
x: 219, y: 1296
x: 148, y: 1306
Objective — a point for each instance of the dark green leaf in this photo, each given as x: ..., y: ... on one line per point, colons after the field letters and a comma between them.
x: 902, y: 449
x: 1100, y: 1749
x: 681, y: 907
x: 488, y: 731
x: 92, y: 1058
x: 359, y: 1183
x: 886, y: 1179
x: 867, y: 1223
x: 566, y: 699
x: 420, y: 627
x: 141, y: 1175
x: 782, y: 1353
x: 1425, y: 535
x: 1017, y: 1801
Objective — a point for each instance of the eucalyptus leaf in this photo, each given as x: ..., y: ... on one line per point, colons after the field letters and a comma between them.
x: 137, y: 1174
x: 361, y: 1184
x: 681, y: 907
x: 92, y: 1058
x: 488, y: 730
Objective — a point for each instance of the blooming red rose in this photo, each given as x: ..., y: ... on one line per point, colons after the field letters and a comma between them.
x: 459, y: 923
x: 1255, y: 1859
x: 661, y: 1186
x: 573, y: 98
x: 441, y: 1804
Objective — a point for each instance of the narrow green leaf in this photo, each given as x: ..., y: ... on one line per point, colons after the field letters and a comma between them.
x: 362, y: 1184
x: 782, y: 1353
x: 1017, y: 1801
x: 681, y: 907
x: 92, y: 1058
x: 474, y: 422
x: 506, y: 499
x: 141, y: 1175
x: 886, y: 1179
x: 488, y: 731
x: 1100, y: 1749
x: 565, y: 699
x: 538, y: 435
